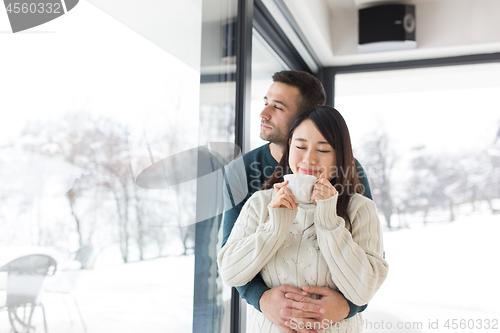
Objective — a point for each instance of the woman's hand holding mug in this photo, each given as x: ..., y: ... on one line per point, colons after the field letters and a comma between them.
x: 283, y: 197
x: 323, y: 189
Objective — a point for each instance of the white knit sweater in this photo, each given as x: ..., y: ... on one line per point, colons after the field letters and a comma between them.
x: 310, y: 246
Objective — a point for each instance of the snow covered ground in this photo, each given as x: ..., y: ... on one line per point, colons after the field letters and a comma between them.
x: 439, y: 272
x: 149, y: 296
x: 443, y: 271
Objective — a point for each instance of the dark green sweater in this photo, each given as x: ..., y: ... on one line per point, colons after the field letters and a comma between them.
x: 258, y: 165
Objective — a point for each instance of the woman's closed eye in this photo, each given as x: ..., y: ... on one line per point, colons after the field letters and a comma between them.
x: 319, y: 150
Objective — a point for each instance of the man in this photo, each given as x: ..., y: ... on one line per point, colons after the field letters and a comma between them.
x: 285, y: 306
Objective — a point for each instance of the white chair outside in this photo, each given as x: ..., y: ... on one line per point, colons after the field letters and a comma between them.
x: 25, y: 276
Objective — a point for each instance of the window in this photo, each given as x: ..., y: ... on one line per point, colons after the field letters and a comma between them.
x: 429, y: 141
x: 265, y: 62
x: 89, y: 102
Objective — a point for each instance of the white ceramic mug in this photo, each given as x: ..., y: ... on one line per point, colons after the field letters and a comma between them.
x: 301, y: 186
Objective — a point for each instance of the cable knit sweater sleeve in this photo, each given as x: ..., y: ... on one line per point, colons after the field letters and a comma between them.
x: 355, y: 261
x: 258, y: 233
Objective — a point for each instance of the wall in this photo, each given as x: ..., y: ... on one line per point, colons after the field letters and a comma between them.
x: 444, y: 28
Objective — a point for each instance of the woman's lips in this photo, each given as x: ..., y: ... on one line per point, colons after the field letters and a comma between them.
x: 308, y: 171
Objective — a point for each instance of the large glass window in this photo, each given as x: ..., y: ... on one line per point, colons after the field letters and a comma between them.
x: 429, y: 140
x: 91, y: 102
x: 265, y: 62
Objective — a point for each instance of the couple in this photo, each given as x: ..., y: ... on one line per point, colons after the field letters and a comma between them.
x: 279, y: 252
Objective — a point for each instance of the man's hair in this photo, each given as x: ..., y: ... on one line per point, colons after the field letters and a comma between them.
x: 311, y: 90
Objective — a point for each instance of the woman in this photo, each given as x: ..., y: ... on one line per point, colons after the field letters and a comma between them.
x: 334, y: 242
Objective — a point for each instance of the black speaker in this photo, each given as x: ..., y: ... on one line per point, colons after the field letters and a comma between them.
x: 387, y: 27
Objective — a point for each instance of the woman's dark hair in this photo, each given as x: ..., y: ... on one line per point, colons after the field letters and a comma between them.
x: 332, y: 126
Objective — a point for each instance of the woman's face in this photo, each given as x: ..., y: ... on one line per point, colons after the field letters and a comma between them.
x: 310, y: 153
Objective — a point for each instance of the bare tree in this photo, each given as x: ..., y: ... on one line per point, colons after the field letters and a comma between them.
x: 379, y: 159
x: 113, y: 166
x: 440, y: 181
x: 100, y: 149
x: 69, y: 138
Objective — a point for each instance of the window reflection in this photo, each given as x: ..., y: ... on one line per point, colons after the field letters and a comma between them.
x: 85, y: 107
x: 217, y: 133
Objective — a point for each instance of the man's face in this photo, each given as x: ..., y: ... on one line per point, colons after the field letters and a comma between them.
x: 280, y: 108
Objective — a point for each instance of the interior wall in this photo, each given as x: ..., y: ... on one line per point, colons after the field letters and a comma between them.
x: 445, y: 28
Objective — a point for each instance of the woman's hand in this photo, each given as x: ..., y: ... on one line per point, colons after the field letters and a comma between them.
x: 283, y: 197
x: 323, y: 189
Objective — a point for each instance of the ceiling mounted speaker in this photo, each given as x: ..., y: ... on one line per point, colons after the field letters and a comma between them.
x: 387, y: 28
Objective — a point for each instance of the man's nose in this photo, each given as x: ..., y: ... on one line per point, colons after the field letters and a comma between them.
x: 266, y: 113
